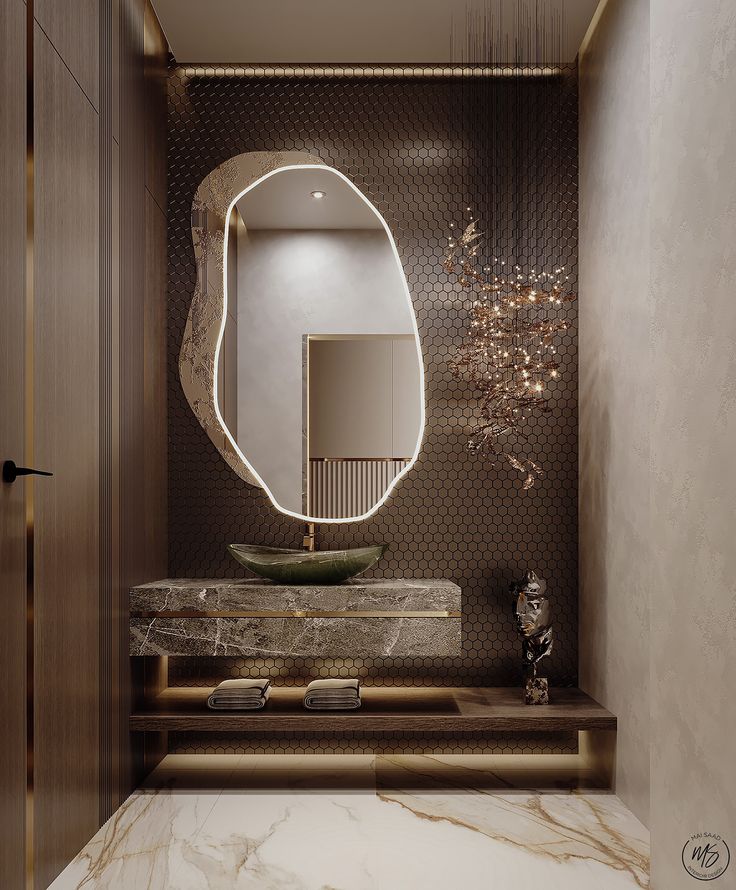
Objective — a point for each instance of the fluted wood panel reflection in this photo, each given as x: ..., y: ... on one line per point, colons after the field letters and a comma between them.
x: 339, y: 488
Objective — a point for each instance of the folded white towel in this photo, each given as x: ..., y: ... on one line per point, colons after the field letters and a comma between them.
x: 236, y: 695
x: 333, y: 694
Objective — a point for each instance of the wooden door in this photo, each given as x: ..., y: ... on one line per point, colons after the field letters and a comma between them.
x: 66, y: 434
x: 12, y: 440
x: 69, y: 324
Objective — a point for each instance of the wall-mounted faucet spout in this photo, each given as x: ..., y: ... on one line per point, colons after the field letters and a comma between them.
x: 309, y: 541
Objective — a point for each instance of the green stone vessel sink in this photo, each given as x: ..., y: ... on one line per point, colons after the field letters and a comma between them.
x: 305, y: 567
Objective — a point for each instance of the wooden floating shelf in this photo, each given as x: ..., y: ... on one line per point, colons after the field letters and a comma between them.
x: 385, y: 709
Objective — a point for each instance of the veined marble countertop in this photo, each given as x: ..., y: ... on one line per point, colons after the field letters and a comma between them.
x: 247, y: 617
x: 231, y: 594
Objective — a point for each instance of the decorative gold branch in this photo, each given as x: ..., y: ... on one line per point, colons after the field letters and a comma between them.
x: 510, y: 356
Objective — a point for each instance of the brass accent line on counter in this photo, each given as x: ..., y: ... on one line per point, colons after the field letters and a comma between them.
x: 297, y: 613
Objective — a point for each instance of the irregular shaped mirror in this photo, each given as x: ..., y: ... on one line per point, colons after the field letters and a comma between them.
x: 316, y: 391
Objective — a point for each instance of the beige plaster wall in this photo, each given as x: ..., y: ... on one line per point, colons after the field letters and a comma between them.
x: 658, y: 411
x: 693, y: 294
x: 615, y: 396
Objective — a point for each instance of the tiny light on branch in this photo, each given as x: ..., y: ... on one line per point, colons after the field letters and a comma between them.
x: 509, y: 354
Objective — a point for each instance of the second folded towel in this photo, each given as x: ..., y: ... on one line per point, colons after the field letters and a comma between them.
x: 332, y: 695
x: 237, y: 695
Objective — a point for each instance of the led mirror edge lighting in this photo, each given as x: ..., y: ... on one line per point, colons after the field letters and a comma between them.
x: 422, y: 417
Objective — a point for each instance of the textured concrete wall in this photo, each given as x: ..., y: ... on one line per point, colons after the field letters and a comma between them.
x: 615, y: 394
x: 693, y: 572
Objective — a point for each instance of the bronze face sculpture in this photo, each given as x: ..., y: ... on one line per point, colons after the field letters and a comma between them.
x: 532, y: 613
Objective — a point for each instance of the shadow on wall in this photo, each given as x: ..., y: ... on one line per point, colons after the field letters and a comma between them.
x: 595, y: 433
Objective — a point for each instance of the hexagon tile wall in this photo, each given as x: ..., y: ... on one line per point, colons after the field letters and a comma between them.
x: 423, y: 150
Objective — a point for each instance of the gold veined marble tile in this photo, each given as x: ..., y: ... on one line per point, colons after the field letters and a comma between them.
x: 553, y: 773
x: 187, y: 781
x: 335, y: 782
x: 561, y: 829
x: 137, y: 845
x: 201, y: 761
x: 310, y: 761
x: 304, y: 824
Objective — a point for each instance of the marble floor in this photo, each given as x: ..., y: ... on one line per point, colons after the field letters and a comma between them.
x: 361, y: 822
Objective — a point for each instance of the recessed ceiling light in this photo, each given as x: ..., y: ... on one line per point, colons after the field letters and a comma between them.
x: 318, y: 194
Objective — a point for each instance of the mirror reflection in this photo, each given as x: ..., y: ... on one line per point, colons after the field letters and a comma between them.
x: 319, y: 380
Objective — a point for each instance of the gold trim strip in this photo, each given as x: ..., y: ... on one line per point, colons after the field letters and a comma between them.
x: 367, y: 71
x: 296, y: 613
x: 321, y: 338
x: 343, y: 460
x: 28, y: 387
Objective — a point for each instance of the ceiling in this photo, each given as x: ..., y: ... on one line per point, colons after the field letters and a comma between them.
x: 284, y: 201
x: 355, y: 31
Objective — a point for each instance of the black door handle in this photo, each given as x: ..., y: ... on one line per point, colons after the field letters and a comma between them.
x: 11, y: 471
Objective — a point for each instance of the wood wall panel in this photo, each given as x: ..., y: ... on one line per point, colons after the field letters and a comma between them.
x: 132, y: 253
x: 113, y: 745
x: 133, y: 356
x: 155, y: 49
x: 110, y: 50
x: 12, y: 502
x: 142, y: 318
x: 73, y: 28
x: 97, y: 399
x: 154, y: 314
x: 154, y: 389
x: 66, y: 357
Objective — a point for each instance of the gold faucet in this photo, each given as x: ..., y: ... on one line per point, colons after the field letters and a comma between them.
x: 309, y: 541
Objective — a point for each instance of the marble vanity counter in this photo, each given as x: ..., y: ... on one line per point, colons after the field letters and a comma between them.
x: 185, y: 616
